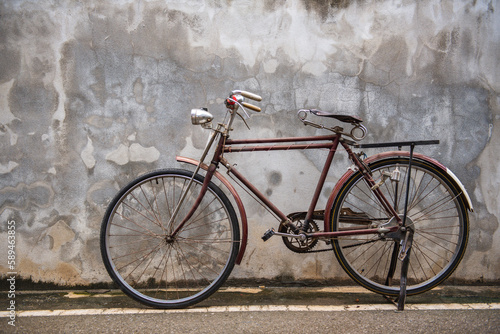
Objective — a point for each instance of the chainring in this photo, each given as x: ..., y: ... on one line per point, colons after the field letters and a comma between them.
x: 297, y: 245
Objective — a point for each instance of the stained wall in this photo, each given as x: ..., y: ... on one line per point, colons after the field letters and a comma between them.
x: 94, y: 93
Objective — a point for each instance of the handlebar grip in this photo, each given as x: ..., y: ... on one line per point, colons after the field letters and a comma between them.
x: 250, y: 106
x: 249, y: 95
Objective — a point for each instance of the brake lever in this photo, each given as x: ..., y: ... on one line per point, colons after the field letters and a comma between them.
x: 243, y: 119
x: 244, y: 110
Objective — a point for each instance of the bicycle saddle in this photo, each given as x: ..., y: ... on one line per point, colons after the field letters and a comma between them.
x: 342, y: 118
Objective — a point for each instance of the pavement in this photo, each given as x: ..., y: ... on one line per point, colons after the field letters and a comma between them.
x: 447, y: 308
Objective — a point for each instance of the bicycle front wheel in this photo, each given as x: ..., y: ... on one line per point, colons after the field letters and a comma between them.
x: 152, y: 264
x: 436, y: 213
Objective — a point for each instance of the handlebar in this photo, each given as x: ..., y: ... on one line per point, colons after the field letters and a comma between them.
x: 236, y: 99
x: 250, y: 106
x: 248, y: 95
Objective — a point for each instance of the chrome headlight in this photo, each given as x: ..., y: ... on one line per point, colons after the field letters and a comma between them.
x: 200, y: 116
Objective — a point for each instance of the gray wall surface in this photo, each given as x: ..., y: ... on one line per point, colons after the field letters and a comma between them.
x: 94, y: 93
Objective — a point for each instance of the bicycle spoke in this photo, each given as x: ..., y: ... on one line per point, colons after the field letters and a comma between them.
x: 141, y: 260
x: 134, y: 230
x: 153, y: 213
x: 154, y: 221
x: 419, y: 198
x: 133, y: 221
x: 205, y: 224
x: 197, y: 219
x: 433, y: 211
x: 165, y: 258
x: 362, y: 253
x: 427, y: 258
x: 375, y: 205
x: 376, y: 263
x: 192, y: 268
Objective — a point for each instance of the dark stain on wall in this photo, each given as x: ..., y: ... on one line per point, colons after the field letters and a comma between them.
x: 27, y: 197
x: 9, y: 66
x: 325, y: 8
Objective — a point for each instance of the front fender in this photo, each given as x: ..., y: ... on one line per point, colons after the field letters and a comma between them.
x: 237, y: 199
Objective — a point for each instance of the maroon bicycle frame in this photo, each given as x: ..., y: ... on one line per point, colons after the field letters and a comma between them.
x: 331, y: 143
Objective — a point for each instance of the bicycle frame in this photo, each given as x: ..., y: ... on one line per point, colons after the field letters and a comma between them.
x: 332, y: 146
x: 330, y: 142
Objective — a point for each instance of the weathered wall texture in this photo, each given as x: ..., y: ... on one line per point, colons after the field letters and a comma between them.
x: 93, y: 93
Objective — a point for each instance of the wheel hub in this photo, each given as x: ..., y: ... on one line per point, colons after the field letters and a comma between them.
x: 169, y: 239
x: 401, y: 232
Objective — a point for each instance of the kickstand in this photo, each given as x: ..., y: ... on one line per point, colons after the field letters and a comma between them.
x: 405, y: 257
x: 401, y: 299
x: 402, y: 290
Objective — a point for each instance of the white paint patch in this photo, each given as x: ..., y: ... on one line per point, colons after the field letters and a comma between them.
x: 315, y: 68
x: 86, y: 155
x: 136, y: 152
x: 13, y: 137
x: 270, y: 66
x: 119, y: 156
x: 73, y: 295
x: 132, y: 136
x: 4, y: 169
x: 61, y: 234
x: 6, y: 115
x: 60, y: 113
x: 141, y: 153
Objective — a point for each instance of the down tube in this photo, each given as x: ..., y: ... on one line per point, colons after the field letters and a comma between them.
x: 256, y: 192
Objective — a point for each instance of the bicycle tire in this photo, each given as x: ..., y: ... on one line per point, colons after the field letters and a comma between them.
x: 150, y: 265
x: 436, y: 212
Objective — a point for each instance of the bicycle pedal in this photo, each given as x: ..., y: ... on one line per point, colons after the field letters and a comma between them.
x: 269, y: 233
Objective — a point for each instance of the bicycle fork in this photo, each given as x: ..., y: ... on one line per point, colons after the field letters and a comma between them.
x: 203, y: 190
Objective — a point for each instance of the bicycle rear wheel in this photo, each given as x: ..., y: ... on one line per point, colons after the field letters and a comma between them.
x: 436, y: 213
x: 152, y: 265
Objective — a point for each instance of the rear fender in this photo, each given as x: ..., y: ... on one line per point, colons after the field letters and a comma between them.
x: 394, y: 154
x: 237, y: 199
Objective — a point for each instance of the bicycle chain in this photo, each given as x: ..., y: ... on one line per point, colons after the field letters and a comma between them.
x: 350, y: 246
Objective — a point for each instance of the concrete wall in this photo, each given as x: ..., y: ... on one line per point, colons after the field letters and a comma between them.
x: 94, y: 93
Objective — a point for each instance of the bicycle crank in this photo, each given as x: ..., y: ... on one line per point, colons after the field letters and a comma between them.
x: 271, y: 232
x: 296, y: 234
x: 300, y: 245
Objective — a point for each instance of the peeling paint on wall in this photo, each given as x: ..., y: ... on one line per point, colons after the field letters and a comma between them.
x: 124, y: 154
x: 94, y: 94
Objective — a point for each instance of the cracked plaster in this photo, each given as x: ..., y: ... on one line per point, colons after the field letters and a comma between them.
x: 93, y: 94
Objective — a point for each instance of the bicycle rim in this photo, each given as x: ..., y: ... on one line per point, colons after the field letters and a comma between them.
x: 436, y: 212
x: 160, y: 269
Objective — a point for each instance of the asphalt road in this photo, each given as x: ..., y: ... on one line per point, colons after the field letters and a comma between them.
x: 449, y: 309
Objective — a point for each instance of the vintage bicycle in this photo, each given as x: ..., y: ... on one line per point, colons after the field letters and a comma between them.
x: 396, y: 221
